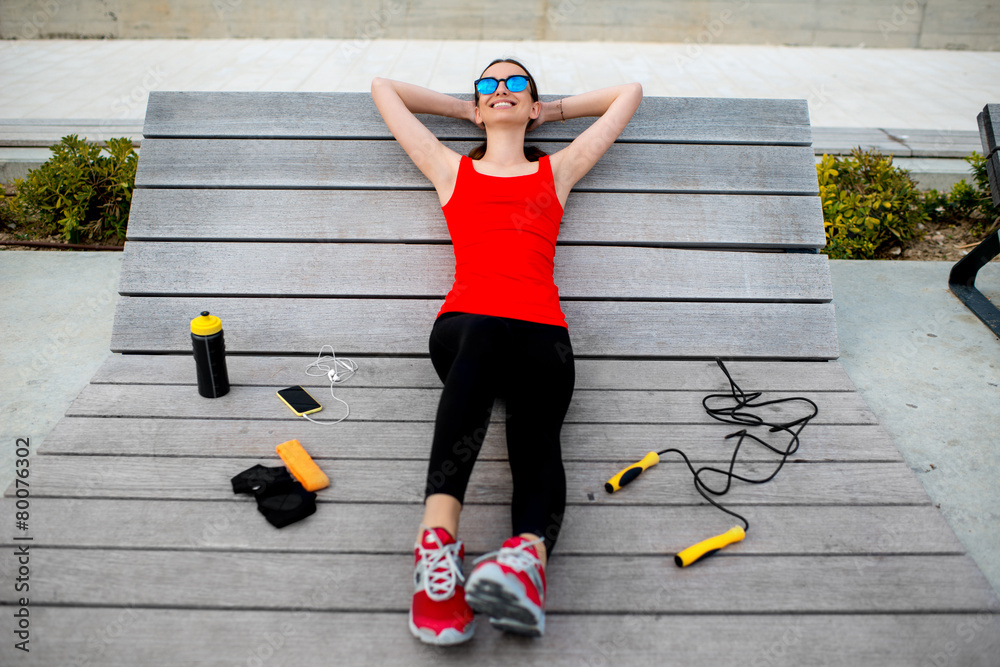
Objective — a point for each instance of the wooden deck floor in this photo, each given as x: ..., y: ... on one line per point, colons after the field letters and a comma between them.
x: 143, y: 556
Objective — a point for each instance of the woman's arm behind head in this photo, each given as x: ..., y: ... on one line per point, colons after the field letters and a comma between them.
x: 398, y: 101
x: 615, y: 106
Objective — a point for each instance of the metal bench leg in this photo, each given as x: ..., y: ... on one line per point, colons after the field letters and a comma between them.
x: 962, y: 281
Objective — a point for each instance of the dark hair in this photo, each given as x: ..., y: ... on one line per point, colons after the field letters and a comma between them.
x: 532, y: 153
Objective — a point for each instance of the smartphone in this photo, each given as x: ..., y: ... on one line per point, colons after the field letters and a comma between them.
x: 299, y: 400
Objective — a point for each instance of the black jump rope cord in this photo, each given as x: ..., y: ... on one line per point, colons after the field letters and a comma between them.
x: 735, y: 415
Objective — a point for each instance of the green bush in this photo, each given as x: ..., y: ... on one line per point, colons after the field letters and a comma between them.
x: 868, y: 205
x: 79, y: 192
x: 7, y: 218
x: 965, y: 201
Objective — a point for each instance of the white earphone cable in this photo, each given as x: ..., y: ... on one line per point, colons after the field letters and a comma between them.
x: 341, y: 371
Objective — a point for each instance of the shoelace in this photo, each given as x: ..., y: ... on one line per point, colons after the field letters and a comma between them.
x: 441, y: 566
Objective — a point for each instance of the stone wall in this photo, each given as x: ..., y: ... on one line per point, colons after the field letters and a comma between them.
x: 933, y: 24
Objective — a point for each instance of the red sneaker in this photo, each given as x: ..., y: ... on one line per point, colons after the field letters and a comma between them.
x: 439, y: 613
x: 510, y: 587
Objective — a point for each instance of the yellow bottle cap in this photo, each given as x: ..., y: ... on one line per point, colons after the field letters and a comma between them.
x: 206, y: 325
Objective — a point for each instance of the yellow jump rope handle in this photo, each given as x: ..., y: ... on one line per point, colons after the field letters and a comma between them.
x: 631, y: 472
x: 711, y: 545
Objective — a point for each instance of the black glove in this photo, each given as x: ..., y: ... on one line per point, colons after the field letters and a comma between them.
x: 280, y: 497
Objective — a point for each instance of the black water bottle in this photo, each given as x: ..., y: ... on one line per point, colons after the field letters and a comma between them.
x: 210, y: 355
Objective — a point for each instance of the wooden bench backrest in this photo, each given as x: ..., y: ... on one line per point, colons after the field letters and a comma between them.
x: 298, y: 220
x: 989, y: 134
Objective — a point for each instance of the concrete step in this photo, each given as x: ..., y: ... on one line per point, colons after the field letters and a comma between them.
x: 41, y: 132
x: 933, y: 157
x: 938, y: 173
x: 16, y: 162
x: 899, y: 142
x: 24, y: 142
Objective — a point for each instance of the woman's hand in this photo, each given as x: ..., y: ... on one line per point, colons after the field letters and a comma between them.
x: 418, y: 99
x: 547, y: 109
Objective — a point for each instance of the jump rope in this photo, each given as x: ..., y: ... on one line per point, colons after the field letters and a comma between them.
x: 737, y: 413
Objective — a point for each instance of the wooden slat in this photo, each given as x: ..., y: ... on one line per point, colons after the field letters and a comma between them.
x: 749, y: 221
x: 650, y: 374
x: 393, y: 481
x: 125, y: 637
x: 412, y: 440
x: 866, y: 532
x: 366, y: 164
x: 620, y: 328
x: 596, y: 584
x: 420, y: 404
x: 989, y: 134
x: 989, y: 127
x: 350, y: 115
x: 428, y: 271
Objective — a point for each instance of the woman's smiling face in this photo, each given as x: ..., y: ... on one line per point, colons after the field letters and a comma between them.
x: 502, y: 105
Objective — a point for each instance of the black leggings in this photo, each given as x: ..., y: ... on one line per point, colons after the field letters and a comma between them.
x: 530, y: 365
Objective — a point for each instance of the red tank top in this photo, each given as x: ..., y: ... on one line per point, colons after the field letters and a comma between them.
x: 504, y: 230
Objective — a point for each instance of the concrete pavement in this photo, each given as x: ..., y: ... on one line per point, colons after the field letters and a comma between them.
x: 846, y: 87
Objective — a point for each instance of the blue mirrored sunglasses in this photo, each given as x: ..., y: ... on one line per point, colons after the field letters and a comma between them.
x: 488, y: 85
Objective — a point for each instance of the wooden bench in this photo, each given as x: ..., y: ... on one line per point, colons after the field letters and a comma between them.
x: 300, y: 222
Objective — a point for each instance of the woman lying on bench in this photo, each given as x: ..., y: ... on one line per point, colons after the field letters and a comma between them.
x: 500, y: 332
